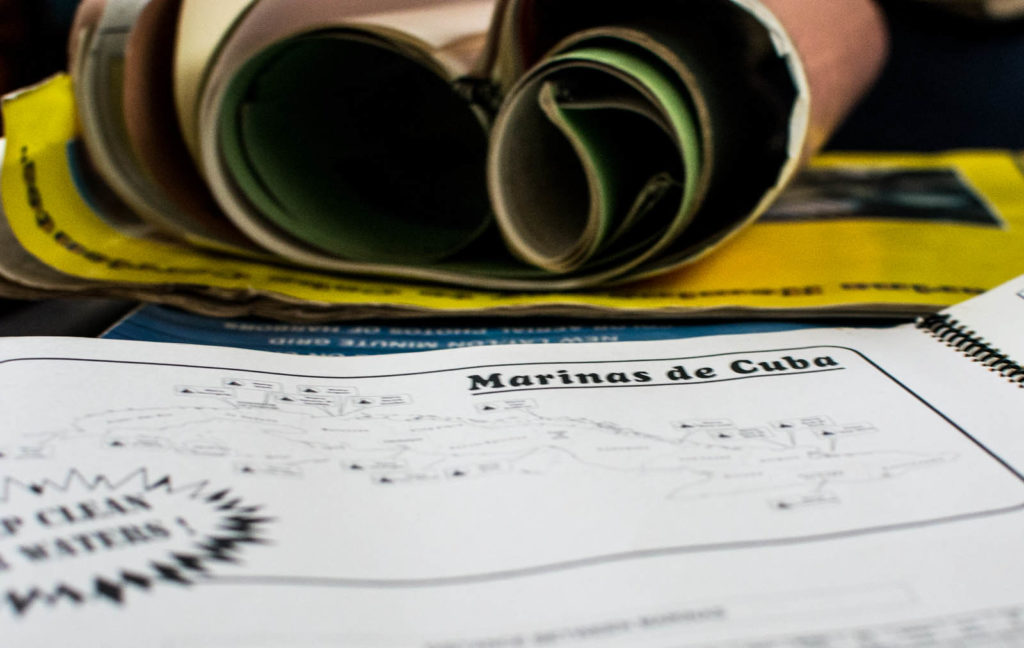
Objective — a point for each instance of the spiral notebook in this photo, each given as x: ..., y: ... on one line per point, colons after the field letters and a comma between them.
x: 827, y: 487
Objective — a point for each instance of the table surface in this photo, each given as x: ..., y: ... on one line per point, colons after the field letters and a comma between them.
x: 77, y: 317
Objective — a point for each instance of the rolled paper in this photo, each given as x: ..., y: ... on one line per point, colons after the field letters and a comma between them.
x: 150, y: 118
x: 509, y: 144
x: 126, y: 128
x: 345, y: 136
x: 766, y: 83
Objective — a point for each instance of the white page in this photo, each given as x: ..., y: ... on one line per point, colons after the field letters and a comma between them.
x: 187, y: 497
x: 997, y: 316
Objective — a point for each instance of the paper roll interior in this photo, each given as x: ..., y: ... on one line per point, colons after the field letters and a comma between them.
x: 358, y: 147
x: 737, y: 83
x: 587, y: 153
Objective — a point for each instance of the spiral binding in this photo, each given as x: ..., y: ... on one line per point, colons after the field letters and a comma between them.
x: 957, y: 336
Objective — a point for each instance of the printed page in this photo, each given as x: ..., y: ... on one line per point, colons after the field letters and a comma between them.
x: 826, y: 483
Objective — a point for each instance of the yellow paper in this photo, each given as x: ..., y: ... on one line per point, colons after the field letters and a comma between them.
x: 872, y: 265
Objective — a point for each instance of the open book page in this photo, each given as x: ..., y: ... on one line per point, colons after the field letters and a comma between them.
x: 715, y: 492
x: 993, y: 319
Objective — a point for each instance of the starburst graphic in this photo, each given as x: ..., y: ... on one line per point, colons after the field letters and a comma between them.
x: 81, y: 539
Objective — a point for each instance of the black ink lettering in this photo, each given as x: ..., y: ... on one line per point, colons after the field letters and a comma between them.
x: 157, y: 530
x: 9, y: 526
x: 796, y: 363
x: 520, y: 381
x: 743, y: 367
x: 490, y: 382
x: 705, y: 373
x: 34, y: 552
x: 679, y: 373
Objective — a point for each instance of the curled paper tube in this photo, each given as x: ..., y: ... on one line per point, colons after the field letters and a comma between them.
x: 149, y: 100
x: 119, y: 57
x: 404, y: 153
x: 841, y: 46
x: 767, y: 83
x: 517, y: 144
